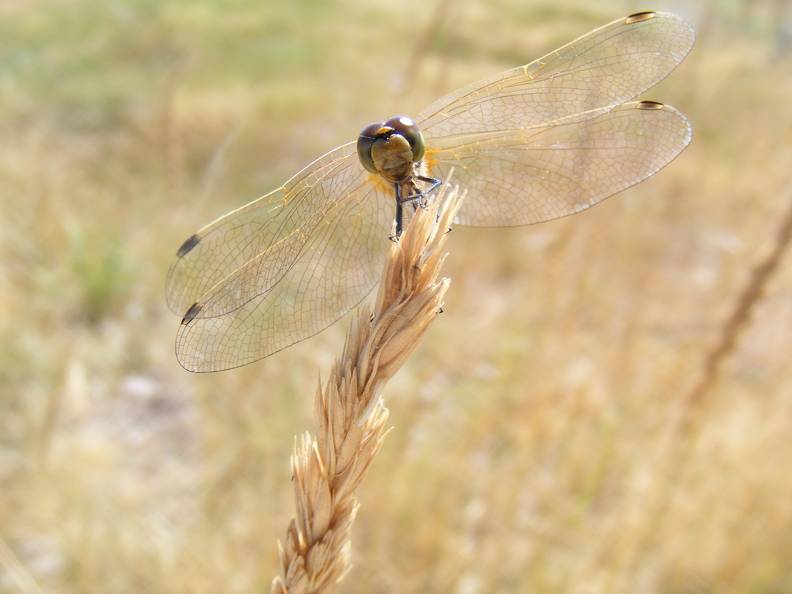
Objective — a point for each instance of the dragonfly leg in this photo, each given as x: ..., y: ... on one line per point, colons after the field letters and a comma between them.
x: 399, y: 213
x: 430, y: 180
x: 435, y: 184
x: 419, y: 198
x: 411, y: 198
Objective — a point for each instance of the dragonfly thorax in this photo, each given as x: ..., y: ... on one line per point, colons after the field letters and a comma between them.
x: 390, y: 148
x: 392, y: 157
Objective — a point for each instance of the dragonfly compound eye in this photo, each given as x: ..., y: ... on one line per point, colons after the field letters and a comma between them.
x: 407, y: 128
x: 365, y: 142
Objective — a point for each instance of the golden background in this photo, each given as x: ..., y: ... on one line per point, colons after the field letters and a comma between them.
x: 537, y: 446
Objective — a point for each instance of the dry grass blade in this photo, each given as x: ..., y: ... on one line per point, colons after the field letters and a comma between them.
x: 328, y: 467
x: 738, y: 319
x: 420, y: 50
x: 17, y: 573
x: 680, y: 437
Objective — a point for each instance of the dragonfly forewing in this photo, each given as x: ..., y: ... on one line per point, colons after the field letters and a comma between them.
x: 339, y: 264
x: 246, y: 252
x: 594, y: 73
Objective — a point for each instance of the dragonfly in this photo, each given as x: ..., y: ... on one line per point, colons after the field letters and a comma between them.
x: 535, y: 143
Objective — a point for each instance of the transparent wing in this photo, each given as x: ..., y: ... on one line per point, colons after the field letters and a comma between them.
x: 529, y: 176
x: 339, y: 264
x: 586, y: 77
x: 247, y: 251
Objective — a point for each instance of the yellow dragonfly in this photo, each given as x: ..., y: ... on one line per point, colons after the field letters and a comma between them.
x: 531, y: 144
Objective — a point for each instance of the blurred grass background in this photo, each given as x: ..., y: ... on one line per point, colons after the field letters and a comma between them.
x: 531, y: 428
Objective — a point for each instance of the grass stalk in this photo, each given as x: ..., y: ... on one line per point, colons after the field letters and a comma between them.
x: 328, y: 465
x: 738, y: 320
x: 680, y: 436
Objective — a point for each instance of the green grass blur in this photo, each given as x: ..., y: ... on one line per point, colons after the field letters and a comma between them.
x: 529, y: 425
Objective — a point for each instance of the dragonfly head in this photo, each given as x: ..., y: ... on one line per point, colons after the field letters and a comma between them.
x: 390, y: 148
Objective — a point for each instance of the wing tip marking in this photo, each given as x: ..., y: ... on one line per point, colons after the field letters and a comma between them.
x: 649, y: 105
x: 191, y: 313
x: 639, y: 17
x: 188, y: 245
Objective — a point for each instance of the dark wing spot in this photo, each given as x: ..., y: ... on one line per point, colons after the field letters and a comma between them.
x: 639, y: 17
x: 649, y: 105
x: 188, y: 245
x: 195, y: 308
